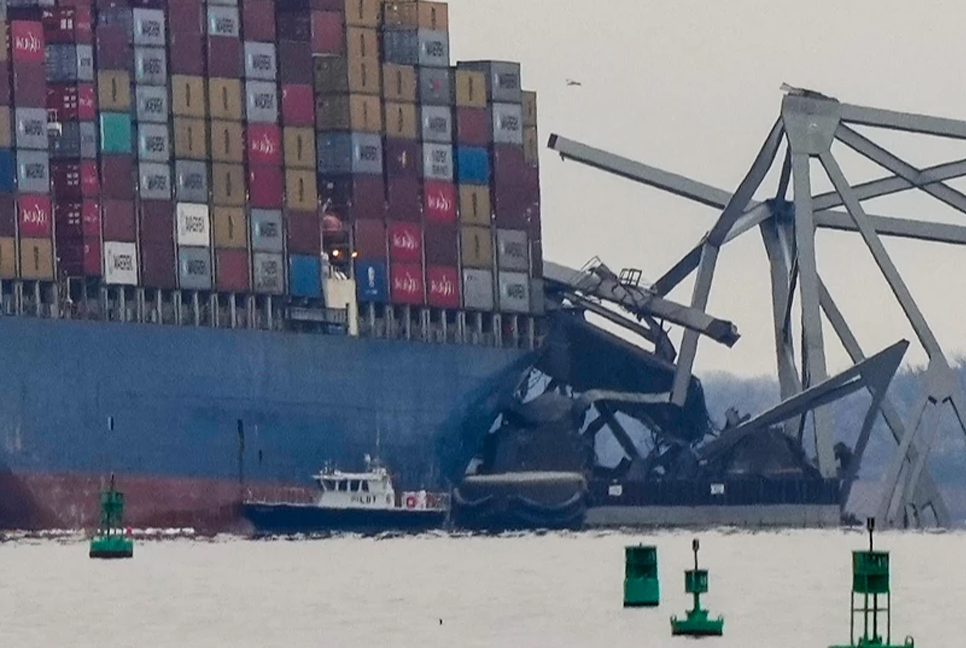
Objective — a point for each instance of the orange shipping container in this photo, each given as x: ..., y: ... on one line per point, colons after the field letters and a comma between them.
x: 300, y: 190
x: 225, y: 98
x: 113, y: 91
x: 299, y: 147
x: 36, y: 259
x: 337, y: 75
x: 476, y: 247
x: 188, y: 96
x: 227, y: 141
x: 399, y: 83
x: 401, y: 120
x: 531, y: 146
x: 231, y: 227
x: 434, y: 15
x: 401, y: 13
x: 529, y: 108
x: 362, y: 43
x: 5, y: 137
x: 363, y: 13
x: 470, y: 89
x: 475, y: 205
x: 190, y: 139
x: 8, y: 258
x: 362, y: 113
x: 228, y: 181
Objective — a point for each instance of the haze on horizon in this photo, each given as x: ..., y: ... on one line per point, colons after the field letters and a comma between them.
x: 693, y: 87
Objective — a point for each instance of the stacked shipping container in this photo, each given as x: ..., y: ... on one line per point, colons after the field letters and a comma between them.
x: 201, y: 146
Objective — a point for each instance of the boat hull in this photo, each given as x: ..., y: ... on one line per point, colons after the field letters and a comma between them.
x: 286, y: 519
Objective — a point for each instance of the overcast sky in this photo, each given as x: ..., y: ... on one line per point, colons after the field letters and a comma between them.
x: 693, y: 87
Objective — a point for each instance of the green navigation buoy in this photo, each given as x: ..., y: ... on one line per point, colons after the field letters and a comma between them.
x: 110, y: 541
x: 641, y: 586
x: 697, y: 623
x: 870, y: 580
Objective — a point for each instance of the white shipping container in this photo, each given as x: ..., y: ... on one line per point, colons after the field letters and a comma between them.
x: 514, y: 292
x: 512, y: 250
x: 194, y: 225
x: 120, y: 263
x: 507, y: 123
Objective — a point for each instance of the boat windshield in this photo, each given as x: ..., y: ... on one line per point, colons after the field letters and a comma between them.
x: 354, y: 485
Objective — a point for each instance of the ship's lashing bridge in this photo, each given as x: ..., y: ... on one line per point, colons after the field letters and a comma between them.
x: 805, y: 130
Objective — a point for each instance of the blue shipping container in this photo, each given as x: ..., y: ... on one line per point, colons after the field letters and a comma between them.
x: 472, y: 165
x: 371, y: 284
x: 8, y: 171
x: 303, y: 276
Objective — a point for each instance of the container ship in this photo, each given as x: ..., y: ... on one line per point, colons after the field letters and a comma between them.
x: 239, y: 239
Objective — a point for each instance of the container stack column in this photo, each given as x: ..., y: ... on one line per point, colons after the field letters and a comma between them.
x: 8, y: 165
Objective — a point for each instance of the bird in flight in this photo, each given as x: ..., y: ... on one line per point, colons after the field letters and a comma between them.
x: 571, y: 82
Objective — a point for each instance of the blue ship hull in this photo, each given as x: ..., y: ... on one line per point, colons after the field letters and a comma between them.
x: 287, y: 519
x: 176, y: 395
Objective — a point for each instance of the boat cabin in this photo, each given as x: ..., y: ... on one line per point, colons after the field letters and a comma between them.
x: 370, y: 489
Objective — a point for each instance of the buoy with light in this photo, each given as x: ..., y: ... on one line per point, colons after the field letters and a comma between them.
x: 641, y: 586
x: 870, y: 581
x: 697, y: 623
x: 110, y: 541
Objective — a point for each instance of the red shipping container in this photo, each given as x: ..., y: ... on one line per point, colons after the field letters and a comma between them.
x: 265, y: 186
x: 91, y: 214
x: 185, y: 17
x: 8, y: 216
x: 304, y: 233
x: 405, y: 242
x: 443, y: 286
x: 69, y: 221
x: 157, y: 222
x: 406, y: 283
x: 353, y: 197
x: 328, y: 33
x: 90, y: 185
x: 370, y: 239
x: 258, y: 17
x: 442, y: 245
x: 86, y: 102
x: 187, y: 53
x: 403, y: 158
x: 298, y: 105
x: 117, y: 218
x: 264, y: 144
x: 83, y: 22
x: 404, y: 199
x: 231, y: 270
x: 59, y: 25
x: 295, y: 62
x: 117, y: 176
x: 439, y: 201
x: 113, y: 50
x: 472, y: 127
x: 158, y: 267
x: 29, y: 86
x: 33, y: 216
x: 66, y: 178
x: 293, y: 26
x: 225, y: 57
x: 63, y: 102
x: 27, y: 41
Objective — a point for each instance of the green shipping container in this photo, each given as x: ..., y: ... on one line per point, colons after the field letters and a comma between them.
x: 115, y: 132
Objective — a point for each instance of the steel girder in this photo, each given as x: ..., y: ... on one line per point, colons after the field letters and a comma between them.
x: 809, y: 123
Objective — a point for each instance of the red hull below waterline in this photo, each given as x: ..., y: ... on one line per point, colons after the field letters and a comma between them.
x: 43, y: 501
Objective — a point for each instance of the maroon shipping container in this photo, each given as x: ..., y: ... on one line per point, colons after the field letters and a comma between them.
x: 8, y: 215
x: 406, y: 283
x: 224, y: 57
x: 298, y: 105
x: 91, y: 212
x: 27, y: 42
x: 327, y: 5
x: 258, y: 18
x: 113, y: 50
x: 443, y: 286
x: 117, y: 220
x: 295, y: 62
x: 293, y: 26
x: 158, y: 267
x: 370, y: 239
x: 60, y: 24
x: 79, y: 257
x: 231, y: 270
x: 328, y: 33
x: 74, y: 178
x: 405, y: 242
x: 63, y: 103
x: 187, y: 53
x: 33, y: 216
x: 69, y: 221
x: 29, y: 86
x: 353, y: 197
x: 185, y: 17
x: 439, y: 201
x: 473, y: 127
x: 265, y: 186
x: 513, y: 196
x: 117, y: 176
x: 442, y: 244
x: 6, y: 84
x: 86, y: 102
x: 157, y: 222
x: 264, y: 144
x: 304, y: 233
x: 403, y: 158
x: 404, y: 199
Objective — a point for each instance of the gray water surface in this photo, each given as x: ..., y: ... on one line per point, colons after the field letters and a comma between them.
x: 560, y: 590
